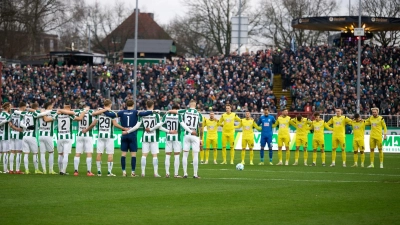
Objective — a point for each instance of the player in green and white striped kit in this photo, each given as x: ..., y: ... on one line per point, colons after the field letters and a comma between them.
x: 194, y: 120
x: 46, y: 133
x: 84, y: 139
x: 171, y: 124
x: 16, y: 138
x: 5, y: 118
x: 105, y: 140
x: 149, y: 138
x: 29, y: 142
x: 64, y: 140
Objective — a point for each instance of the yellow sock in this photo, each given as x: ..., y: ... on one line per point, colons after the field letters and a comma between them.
x: 333, y: 156
x: 280, y: 155
x: 314, y: 157
x: 251, y: 155
x: 207, y: 154
x: 305, y: 154
x: 243, y: 155
x: 215, y: 154
x: 232, y: 153
x: 362, y: 157
x: 224, y: 154
x: 371, y: 157
x: 296, y: 155
x: 202, y: 155
x: 343, y: 155
x: 380, y: 156
x: 355, y: 157
x: 287, y: 155
x: 323, y: 157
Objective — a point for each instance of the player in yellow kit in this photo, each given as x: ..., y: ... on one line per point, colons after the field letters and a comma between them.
x: 212, y: 138
x: 317, y: 126
x: 283, y: 136
x: 302, y: 127
x: 248, y: 124
x: 338, y: 123
x: 377, y: 123
x: 358, y: 139
x: 227, y: 121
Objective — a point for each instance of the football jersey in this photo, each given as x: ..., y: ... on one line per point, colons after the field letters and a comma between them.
x: 266, y: 123
x: 339, y: 125
x: 64, y: 126
x: 172, y: 122
x: 247, y: 128
x: 301, y: 126
x: 85, y: 123
x: 149, y: 121
x: 193, y: 120
x: 318, y: 127
x: 30, y: 119
x: 377, y: 124
x: 105, y: 126
x: 16, y: 119
x: 283, y: 123
x: 227, y: 121
x: 358, y: 129
x: 212, y: 128
x: 5, y: 128
x: 46, y: 129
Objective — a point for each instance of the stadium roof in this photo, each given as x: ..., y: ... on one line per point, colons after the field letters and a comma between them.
x: 150, y: 46
x: 339, y: 23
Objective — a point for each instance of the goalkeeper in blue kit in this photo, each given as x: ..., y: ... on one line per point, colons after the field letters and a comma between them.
x: 265, y: 122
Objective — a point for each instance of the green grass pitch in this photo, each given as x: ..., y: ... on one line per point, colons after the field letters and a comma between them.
x: 256, y: 195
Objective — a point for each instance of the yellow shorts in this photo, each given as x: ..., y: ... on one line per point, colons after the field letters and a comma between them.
x: 283, y: 140
x: 249, y: 142
x: 373, y: 143
x: 338, y: 142
x: 301, y: 141
x: 212, y: 143
x: 358, y: 145
x: 228, y: 139
x: 318, y: 143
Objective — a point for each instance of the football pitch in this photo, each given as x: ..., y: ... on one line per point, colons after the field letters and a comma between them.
x: 257, y: 195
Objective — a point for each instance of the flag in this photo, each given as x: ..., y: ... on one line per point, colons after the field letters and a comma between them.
x: 293, y: 45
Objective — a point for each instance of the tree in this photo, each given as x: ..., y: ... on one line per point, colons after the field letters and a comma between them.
x: 213, y: 20
x: 382, y: 8
x: 188, y: 41
x: 278, y: 15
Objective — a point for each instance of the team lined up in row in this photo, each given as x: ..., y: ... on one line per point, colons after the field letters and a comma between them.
x: 267, y: 122
x: 19, y: 130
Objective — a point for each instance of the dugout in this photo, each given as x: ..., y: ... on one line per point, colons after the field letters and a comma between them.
x: 345, y: 25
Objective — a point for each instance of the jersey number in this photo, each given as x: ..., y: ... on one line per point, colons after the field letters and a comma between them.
x: 44, y: 123
x: 27, y: 122
x: 172, y: 125
x: 105, y: 121
x: 149, y: 124
x: 84, y: 121
x: 191, y: 121
x: 15, y: 122
x: 63, y: 123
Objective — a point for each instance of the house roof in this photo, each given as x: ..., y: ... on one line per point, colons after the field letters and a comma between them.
x: 147, y: 29
x: 149, y: 46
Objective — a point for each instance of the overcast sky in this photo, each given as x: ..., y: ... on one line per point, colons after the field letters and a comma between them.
x: 166, y: 10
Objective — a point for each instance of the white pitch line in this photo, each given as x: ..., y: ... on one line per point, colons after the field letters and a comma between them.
x: 308, y: 172
x: 293, y: 180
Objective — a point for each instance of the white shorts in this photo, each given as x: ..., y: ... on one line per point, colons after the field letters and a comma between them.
x: 16, y: 144
x: 84, y: 144
x: 150, y: 146
x: 105, y: 144
x: 30, y: 145
x: 64, y: 146
x: 191, y: 141
x: 173, y: 146
x: 46, y: 144
x: 5, y: 146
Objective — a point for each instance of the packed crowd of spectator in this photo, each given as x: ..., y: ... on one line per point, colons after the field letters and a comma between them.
x: 319, y: 78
